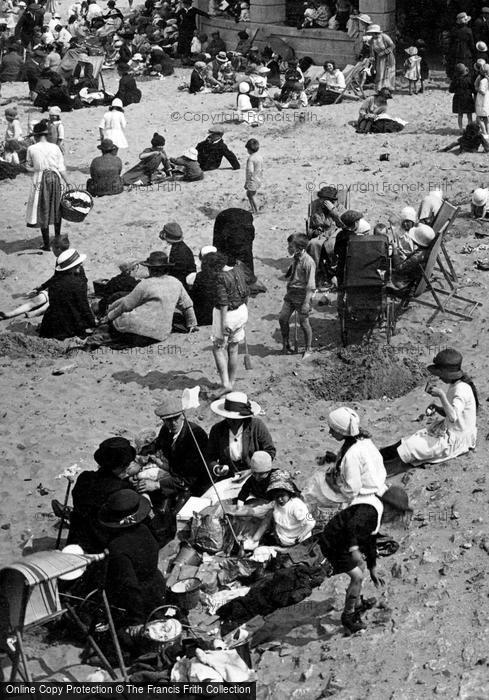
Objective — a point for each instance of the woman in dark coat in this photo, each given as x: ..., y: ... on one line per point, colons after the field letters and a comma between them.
x: 463, y: 94
x: 58, y: 94
x: 128, y: 91
x: 462, y: 46
x: 93, y: 488
x: 234, y: 234
x: 203, y: 291
x: 134, y: 581
x: 153, y: 161
x: 69, y: 313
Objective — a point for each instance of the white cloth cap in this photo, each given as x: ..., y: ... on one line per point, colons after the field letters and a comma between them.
x: 344, y: 421
x: 408, y: 214
x: 480, y: 197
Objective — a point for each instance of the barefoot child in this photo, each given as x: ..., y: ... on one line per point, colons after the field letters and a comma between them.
x: 56, y: 128
x: 412, y: 69
x: 254, y: 173
x: 350, y: 536
x: 301, y: 283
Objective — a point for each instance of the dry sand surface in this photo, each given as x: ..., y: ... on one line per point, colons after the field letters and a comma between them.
x: 431, y: 637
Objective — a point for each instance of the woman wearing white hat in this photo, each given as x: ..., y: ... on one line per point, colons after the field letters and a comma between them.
x: 234, y: 440
x: 246, y: 113
x: 382, y: 50
x: 113, y: 124
x: 188, y: 166
x: 407, y: 271
x: 403, y: 243
x: 69, y: 313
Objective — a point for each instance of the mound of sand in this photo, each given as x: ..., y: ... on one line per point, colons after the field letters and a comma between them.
x: 371, y: 371
x: 19, y: 345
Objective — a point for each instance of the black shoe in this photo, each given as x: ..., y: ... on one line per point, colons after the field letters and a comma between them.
x: 365, y: 605
x: 352, y: 622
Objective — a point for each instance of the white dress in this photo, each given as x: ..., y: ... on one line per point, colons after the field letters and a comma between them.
x: 444, y: 440
x: 482, y: 98
x: 113, y: 124
x: 41, y: 156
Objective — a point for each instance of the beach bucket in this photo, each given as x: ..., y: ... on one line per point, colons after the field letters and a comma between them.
x: 76, y: 205
x: 162, y: 633
x: 186, y: 592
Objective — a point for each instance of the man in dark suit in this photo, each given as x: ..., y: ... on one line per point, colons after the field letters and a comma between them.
x: 480, y: 27
x: 213, y: 150
x: 186, y: 18
x: 186, y: 470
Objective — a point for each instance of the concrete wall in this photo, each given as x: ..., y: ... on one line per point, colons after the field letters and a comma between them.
x: 320, y: 44
x: 381, y: 12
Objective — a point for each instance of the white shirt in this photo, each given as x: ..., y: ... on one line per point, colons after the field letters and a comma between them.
x: 362, y: 471
x: 236, y: 444
x: 293, y: 521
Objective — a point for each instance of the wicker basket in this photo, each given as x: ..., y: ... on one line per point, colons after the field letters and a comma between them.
x: 70, y: 213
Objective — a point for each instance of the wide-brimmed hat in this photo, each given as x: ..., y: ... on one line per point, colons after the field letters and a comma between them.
x: 422, y: 234
x: 408, y: 214
x: 170, y: 406
x: 54, y: 111
x: 172, y: 232
x: 221, y: 57
x: 463, y: 18
x: 192, y: 154
x: 396, y: 497
x: 447, y: 362
x: 362, y: 17
x: 157, y: 140
x: 411, y: 51
x: 480, y: 197
x: 350, y: 217
x: 40, y: 128
x: 69, y: 259
x: 114, y: 452
x: 116, y: 102
x: 156, y: 259
x: 106, y: 146
x: 374, y: 29
x: 124, y: 508
x: 235, y: 405
x: 344, y: 421
x: 481, y: 46
x: 281, y: 479
x: 330, y: 193
x: 461, y: 68
x: 261, y: 462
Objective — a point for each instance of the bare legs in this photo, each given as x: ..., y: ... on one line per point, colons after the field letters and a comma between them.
x: 252, y: 201
x: 226, y: 358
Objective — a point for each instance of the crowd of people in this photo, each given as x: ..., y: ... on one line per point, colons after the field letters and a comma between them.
x: 128, y: 506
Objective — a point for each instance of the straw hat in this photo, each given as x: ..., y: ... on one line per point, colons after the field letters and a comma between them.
x: 54, y: 111
x: 374, y: 29
x: 221, y: 57
x: 123, y: 509
x: 447, y: 362
x: 481, y: 46
x: 69, y: 259
x: 422, y: 234
x: 480, y: 197
x: 411, y: 51
x: 235, y: 405
x: 192, y: 154
x: 408, y: 214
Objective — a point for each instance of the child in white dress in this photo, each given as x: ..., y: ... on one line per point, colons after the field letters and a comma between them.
x: 113, y: 125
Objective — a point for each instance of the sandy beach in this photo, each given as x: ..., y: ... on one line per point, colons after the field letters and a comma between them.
x: 431, y: 636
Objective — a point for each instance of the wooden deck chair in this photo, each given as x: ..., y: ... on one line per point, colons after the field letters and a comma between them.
x: 443, y: 220
x: 352, y: 74
x: 443, y: 299
x: 97, y: 63
x: 30, y: 587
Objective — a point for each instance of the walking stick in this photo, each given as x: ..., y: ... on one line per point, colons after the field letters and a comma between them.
x: 187, y: 423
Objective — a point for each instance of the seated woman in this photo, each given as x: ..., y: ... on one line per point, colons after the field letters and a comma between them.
x: 234, y: 440
x: 455, y: 433
x: 153, y: 164
x: 127, y: 91
x: 69, y: 313
x: 82, y: 77
x: 291, y: 520
x: 358, y: 467
x: 371, y: 108
x: 197, y: 78
x: 119, y: 286
x: 292, y: 95
x: 407, y: 270
x: 145, y: 315
x: 58, y: 94
x: 93, y: 488
x: 203, y: 288
x: 331, y: 85
x: 105, y: 171
x: 134, y: 582
x: 188, y: 168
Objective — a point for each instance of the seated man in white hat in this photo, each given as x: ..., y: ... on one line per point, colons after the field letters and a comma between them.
x: 234, y: 440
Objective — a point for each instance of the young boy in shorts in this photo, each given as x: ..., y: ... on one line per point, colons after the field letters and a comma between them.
x: 301, y: 283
